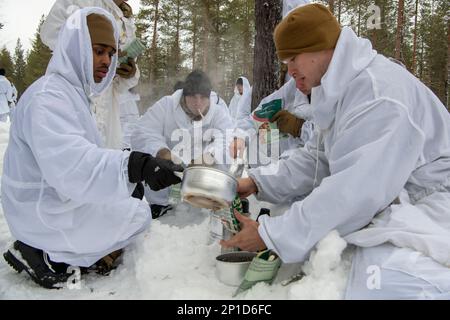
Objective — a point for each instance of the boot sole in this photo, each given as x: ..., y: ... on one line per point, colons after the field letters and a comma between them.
x: 162, y: 213
x: 19, y: 266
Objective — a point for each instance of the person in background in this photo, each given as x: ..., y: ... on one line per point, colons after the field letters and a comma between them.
x: 15, y: 95
x: 116, y: 109
x: 188, y: 111
x: 68, y: 200
x: 240, y: 104
x: 379, y: 131
x: 214, y: 96
x: 6, y: 96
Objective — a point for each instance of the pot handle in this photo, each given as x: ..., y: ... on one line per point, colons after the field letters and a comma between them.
x: 179, y: 174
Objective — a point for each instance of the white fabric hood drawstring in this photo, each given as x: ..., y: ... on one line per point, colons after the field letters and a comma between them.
x: 316, y: 173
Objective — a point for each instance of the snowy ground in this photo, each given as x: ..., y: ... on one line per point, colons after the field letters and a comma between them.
x: 175, y: 260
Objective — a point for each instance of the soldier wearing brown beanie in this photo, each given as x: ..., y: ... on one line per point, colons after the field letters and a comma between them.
x: 117, y: 108
x: 376, y: 170
x: 310, y: 28
x: 104, y: 44
x: 305, y: 41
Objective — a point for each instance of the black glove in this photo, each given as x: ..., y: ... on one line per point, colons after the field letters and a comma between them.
x: 139, y: 191
x: 157, y: 173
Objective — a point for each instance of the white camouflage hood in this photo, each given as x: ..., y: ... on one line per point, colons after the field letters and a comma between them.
x: 351, y: 57
x: 73, y: 59
x: 246, y: 86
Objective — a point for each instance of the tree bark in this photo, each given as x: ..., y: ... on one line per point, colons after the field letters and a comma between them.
x: 194, y: 41
x: 339, y: 10
x: 153, y: 67
x: 421, y: 67
x: 331, y: 5
x: 413, y: 67
x: 399, y: 32
x: 359, y: 19
x: 266, y: 66
x: 177, y: 47
x: 216, y: 57
x: 206, y: 33
x: 247, y: 40
x: 448, y: 67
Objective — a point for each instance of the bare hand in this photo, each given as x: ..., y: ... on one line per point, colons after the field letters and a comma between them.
x: 248, y: 239
x: 246, y: 187
x: 167, y: 155
x: 127, y: 70
x: 122, y: 53
x: 237, y: 147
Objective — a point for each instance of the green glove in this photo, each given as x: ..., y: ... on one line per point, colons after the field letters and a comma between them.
x: 264, y: 267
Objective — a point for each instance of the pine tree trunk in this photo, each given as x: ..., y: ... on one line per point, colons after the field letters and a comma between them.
x: 399, y: 32
x: 339, y: 10
x: 206, y: 33
x: 421, y: 67
x: 266, y: 66
x: 359, y: 19
x: 216, y: 57
x: 448, y: 67
x: 331, y: 5
x: 413, y: 67
x: 154, y: 49
x: 177, y: 48
x: 247, y: 40
x: 376, y: 35
x: 194, y: 41
x: 205, y: 51
x: 374, y: 39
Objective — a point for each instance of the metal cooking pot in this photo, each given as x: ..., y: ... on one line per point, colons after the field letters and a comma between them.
x: 231, y: 267
x: 209, y: 188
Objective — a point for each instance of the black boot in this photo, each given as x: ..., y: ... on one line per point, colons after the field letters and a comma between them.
x: 105, y: 265
x: 37, y: 264
x: 159, y: 211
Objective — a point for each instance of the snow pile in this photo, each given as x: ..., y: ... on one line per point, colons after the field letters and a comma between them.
x: 326, y: 271
x: 174, y: 262
x: 175, y: 259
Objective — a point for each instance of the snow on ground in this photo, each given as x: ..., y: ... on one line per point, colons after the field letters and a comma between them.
x: 174, y: 259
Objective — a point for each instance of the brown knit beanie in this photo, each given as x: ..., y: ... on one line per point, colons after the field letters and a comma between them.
x: 101, y: 30
x: 309, y: 28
